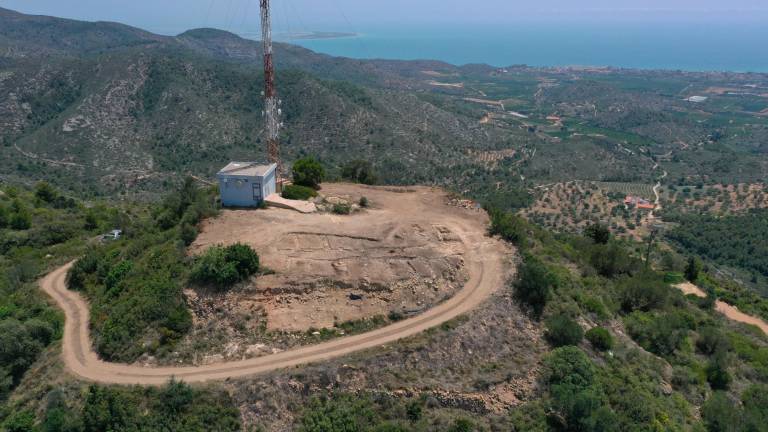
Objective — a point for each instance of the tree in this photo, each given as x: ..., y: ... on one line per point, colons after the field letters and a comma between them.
x: 611, y: 260
x: 106, y: 409
x: 755, y: 402
x: 599, y: 233
x: 717, y: 372
x: 20, y: 218
x: 45, y: 192
x: 359, y: 171
x: 692, y: 269
x: 563, y: 331
x: 720, y: 414
x: 5, y: 216
x: 643, y: 292
x: 308, y: 172
x: 509, y: 226
x: 534, y: 284
x: 711, y: 340
x: 22, y: 421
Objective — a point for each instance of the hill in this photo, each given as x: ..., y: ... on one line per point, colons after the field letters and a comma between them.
x: 103, y: 108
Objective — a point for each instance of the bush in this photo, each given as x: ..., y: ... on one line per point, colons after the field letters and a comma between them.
x: 296, y: 192
x: 755, y: 402
x: 188, y: 233
x: 563, y: 331
x: 5, y: 216
x: 509, y: 226
x: 599, y: 233
x: 570, y: 378
x: 45, y: 192
x: 359, y: 171
x: 720, y: 414
x: 717, y: 372
x: 600, y: 338
x: 21, y: 421
x: 246, y: 260
x: 611, y: 260
x: 363, y: 202
x: 662, y: 334
x: 20, y: 219
x: 711, y: 340
x: 223, y: 267
x: 644, y: 292
x: 308, y: 172
x: 534, y: 285
x: 341, y: 209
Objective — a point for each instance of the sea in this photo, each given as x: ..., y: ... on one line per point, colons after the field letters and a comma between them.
x: 671, y: 45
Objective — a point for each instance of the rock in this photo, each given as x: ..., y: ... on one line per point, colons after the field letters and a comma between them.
x: 336, y: 200
x: 254, y: 349
x: 353, y: 296
x: 211, y: 359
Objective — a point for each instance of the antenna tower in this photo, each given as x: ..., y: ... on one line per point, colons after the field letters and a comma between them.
x: 271, y: 108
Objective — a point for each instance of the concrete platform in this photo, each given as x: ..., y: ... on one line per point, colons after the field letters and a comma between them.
x: 276, y: 200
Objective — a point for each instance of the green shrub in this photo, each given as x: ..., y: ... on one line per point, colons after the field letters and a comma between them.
x: 5, y: 216
x: 45, y: 192
x: 223, y: 267
x: 534, y: 285
x: 712, y: 340
x: 245, y: 258
x: 342, y: 209
x: 359, y: 171
x: 599, y: 233
x: 720, y: 414
x: 297, y: 192
x: 342, y: 413
x: 611, y: 260
x: 600, y: 338
x: 363, y: 202
x: 188, y: 233
x: 308, y: 172
x: 755, y: 403
x: 462, y: 425
x: 717, y: 372
x: 660, y: 334
x: 563, y: 331
x: 87, y: 264
x: 644, y: 292
x: 21, y: 421
x: 20, y: 219
x: 508, y: 226
x: 116, y: 275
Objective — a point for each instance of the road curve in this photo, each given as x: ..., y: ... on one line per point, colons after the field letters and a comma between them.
x: 485, y: 260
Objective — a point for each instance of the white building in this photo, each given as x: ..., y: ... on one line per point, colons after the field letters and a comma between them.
x: 246, y: 184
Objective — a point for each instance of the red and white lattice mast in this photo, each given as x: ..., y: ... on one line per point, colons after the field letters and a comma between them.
x: 271, y: 103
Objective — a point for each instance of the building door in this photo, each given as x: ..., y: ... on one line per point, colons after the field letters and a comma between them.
x: 257, y: 192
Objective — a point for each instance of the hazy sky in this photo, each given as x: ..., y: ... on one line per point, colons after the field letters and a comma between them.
x: 174, y: 16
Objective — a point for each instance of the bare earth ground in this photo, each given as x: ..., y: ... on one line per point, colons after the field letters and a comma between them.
x: 400, y: 255
x: 731, y: 312
x: 486, y: 262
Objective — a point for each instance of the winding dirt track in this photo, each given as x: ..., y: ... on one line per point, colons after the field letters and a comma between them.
x: 484, y: 259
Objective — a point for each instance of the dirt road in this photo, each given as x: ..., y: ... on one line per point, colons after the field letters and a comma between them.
x: 485, y: 261
x: 731, y: 312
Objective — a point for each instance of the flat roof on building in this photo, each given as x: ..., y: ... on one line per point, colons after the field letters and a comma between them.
x: 252, y: 169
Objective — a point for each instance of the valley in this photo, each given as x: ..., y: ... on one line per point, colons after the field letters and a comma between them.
x: 495, y: 248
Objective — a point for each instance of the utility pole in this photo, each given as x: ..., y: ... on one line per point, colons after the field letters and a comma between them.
x: 271, y: 103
